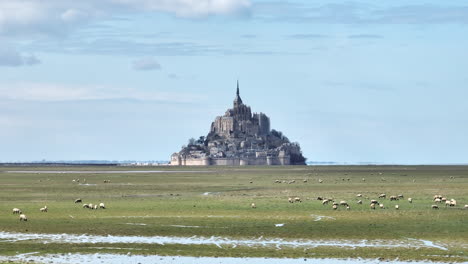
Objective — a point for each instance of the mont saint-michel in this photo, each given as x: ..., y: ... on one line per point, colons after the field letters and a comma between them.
x: 240, y: 137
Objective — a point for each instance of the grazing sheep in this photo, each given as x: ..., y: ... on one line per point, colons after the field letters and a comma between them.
x: 277, y: 181
x: 410, y: 200
x: 348, y: 208
x: 381, y: 206
x: 90, y: 206
x: 290, y: 200
x: 393, y: 198
x: 16, y: 211
x: 383, y: 195
x: 320, y: 198
x: 359, y: 202
x: 95, y: 207
x: 359, y: 195
x: 43, y: 209
x: 401, y: 196
x: 437, y: 200
x: 447, y: 203
x: 335, y: 207
x: 297, y: 199
x: 435, y: 206
x: 85, y: 206
x: 305, y: 180
x: 397, y: 207
x: 320, y: 180
x: 466, y: 206
x: 363, y: 179
x: 372, y: 206
x: 374, y: 202
x: 23, y: 217
x: 443, y: 199
x: 253, y: 205
x: 437, y: 196
x: 102, y: 206
x: 344, y: 203
x: 324, y: 202
x: 453, y: 202
x: 78, y: 200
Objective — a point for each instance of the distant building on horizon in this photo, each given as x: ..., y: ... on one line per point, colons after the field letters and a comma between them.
x: 240, y: 137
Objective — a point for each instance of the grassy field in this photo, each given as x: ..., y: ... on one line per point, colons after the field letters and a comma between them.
x: 215, y: 201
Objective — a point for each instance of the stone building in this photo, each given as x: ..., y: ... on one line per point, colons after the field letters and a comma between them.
x: 240, y: 137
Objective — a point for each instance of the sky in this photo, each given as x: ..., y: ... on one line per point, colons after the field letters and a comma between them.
x: 357, y: 81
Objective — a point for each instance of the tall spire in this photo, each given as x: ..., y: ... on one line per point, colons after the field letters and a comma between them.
x: 237, y: 100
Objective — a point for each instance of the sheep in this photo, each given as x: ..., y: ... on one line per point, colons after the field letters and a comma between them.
x: 102, y: 206
x: 85, y: 206
x: 43, y: 209
x: 447, y: 203
x: 277, y: 181
x: 466, y: 206
x: 78, y: 200
x: 401, y: 196
x: 90, y: 206
x: 23, y: 217
x: 305, y: 180
x: 453, y: 202
x: 320, y: 198
x: 95, y: 207
x: 359, y: 202
x: 348, y: 208
x: 320, y: 180
x: 410, y: 200
x: 397, y: 207
x: 382, y: 195
x: 435, y: 206
x: 17, y: 211
x: 344, y: 203
x: 290, y: 200
x: 297, y: 199
x: 437, y: 196
x: 335, y: 203
x: 363, y: 179
x: 335, y: 207
x: 393, y: 198
x: 443, y: 199
x: 324, y: 202
x: 107, y: 181
x: 381, y: 206
x: 374, y: 202
x: 437, y: 200
x: 292, y: 181
x: 372, y: 206
x: 359, y: 195
x: 253, y: 205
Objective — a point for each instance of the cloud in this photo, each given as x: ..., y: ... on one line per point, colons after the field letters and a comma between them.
x: 12, y: 58
x: 57, y: 17
x: 365, y: 36
x: 56, y: 92
x: 308, y: 36
x: 361, y: 13
x: 146, y: 64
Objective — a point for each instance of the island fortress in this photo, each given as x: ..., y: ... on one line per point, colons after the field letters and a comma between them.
x: 240, y: 138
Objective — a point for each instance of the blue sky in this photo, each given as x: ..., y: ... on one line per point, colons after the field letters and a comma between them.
x: 354, y: 81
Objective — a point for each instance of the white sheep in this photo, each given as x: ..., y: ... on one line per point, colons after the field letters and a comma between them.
x: 447, y: 203
x: 253, y: 205
x: 43, y: 209
x: 453, y: 202
x: 410, y: 200
x: 320, y: 180
x: 347, y: 207
x: 359, y: 195
x: 466, y: 206
x: 324, y: 202
x: 382, y: 206
x: 397, y: 207
x: 23, y: 217
x: 359, y: 202
x: 344, y: 203
x: 85, y: 206
x: 437, y: 200
x: 382, y: 195
x: 102, y: 206
x: 90, y: 206
x: 435, y: 206
x: 16, y: 211
x: 297, y: 199
x: 290, y: 200
x: 335, y: 207
x: 372, y: 206
x: 95, y: 207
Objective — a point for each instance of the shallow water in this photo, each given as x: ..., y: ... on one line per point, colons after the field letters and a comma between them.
x: 134, y: 259
x: 218, y: 241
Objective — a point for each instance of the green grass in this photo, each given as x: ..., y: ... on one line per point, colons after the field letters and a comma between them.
x: 164, y: 200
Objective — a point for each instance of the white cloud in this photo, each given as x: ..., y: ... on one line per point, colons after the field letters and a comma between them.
x: 146, y: 64
x: 26, y: 16
x: 52, y: 92
x: 12, y: 58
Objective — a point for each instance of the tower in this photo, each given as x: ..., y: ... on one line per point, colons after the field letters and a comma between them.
x: 237, y: 100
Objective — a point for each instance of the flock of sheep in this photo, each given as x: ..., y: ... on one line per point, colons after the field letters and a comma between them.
x: 23, y: 217
x: 91, y: 206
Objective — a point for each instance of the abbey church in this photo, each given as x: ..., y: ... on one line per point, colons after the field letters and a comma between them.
x: 240, y: 137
